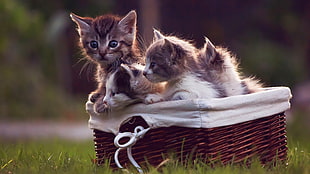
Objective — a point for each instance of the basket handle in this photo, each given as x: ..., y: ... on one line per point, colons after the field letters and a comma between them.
x: 138, y: 133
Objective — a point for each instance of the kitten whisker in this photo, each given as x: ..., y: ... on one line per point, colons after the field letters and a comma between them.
x: 88, y: 67
x: 109, y: 111
x: 141, y: 43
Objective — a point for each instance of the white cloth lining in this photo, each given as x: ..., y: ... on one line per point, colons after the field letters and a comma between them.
x: 197, y: 113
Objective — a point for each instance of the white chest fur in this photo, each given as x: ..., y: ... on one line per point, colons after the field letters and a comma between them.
x: 189, y: 86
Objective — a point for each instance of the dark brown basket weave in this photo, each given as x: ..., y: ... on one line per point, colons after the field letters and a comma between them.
x: 264, y: 138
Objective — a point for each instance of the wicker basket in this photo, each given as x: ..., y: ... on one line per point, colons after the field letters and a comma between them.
x: 264, y: 138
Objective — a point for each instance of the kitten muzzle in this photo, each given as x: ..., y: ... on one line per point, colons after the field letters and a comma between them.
x: 111, y: 57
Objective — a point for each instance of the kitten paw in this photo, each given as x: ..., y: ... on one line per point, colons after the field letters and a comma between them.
x: 101, y: 108
x: 153, y: 98
x: 93, y: 97
x: 89, y: 106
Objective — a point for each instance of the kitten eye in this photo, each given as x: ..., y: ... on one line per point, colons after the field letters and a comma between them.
x: 152, y: 64
x: 93, y: 44
x: 114, y: 93
x: 113, y: 43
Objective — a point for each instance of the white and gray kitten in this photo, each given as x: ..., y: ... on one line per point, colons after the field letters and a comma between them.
x: 173, y: 60
x: 126, y: 86
x: 220, y: 66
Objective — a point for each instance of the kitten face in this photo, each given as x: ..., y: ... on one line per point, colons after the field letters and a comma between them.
x: 107, y: 38
x: 164, y: 60
x: 119, y: 92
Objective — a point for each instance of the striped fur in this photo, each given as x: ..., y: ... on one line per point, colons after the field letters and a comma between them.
x: 108, y: 41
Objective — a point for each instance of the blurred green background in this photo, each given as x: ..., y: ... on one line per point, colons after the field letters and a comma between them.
x: 40, y: 67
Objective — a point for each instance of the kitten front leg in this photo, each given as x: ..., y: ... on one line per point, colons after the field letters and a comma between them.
x: 153, y: 98
x: 183, y: 95
x: 93, y: 96
x: 98, y: 93
x: 89, y: 106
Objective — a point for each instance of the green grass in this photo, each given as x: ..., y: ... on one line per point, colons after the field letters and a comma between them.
x: 60, y: 156
x: 49, y: 156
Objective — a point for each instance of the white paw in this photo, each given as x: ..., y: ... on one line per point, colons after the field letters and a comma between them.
x: 89, y: 106
x: 153, y: 98
x: 101, y: 108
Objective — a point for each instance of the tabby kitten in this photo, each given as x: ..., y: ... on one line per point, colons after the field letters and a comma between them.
x: 108, y: 41
x: 127, y: 85
x: 173, y: 60
x: 221, y: 67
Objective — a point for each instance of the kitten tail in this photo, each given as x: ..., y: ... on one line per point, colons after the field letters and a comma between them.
x: 252, y: 85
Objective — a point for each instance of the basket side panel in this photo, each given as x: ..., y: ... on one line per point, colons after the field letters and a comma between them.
x: 104, y: 146
x: 264, y: 138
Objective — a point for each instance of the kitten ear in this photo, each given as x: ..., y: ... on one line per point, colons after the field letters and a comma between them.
x: 130, y: 74
x: 173, y: 50
x: 209, y: 49
x: 211, y: 53
x: 128, y: 23
x: 168, y: 45
x: 126, y: 69
x: 82, y: 22
x: 122, y: 79
x: 157, y: 35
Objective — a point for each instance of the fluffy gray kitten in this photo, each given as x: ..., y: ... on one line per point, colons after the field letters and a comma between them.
x: 220, y: 66
x: 174, y: 61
